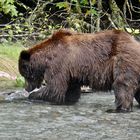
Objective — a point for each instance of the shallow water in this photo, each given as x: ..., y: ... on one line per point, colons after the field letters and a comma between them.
x: 86, y: 120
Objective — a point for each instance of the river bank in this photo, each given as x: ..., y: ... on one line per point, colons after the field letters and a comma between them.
x: 9, y: 75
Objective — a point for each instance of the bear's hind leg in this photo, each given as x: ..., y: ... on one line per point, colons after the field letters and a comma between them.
x: 124, y: 84
x: 123, y: 97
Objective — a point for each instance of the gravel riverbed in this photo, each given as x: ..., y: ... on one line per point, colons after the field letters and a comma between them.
x: 86, y: 120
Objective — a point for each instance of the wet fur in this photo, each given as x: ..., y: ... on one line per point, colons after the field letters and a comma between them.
x: 67, y: 60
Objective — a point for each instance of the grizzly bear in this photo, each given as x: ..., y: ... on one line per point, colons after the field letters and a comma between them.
x: 107, y: 60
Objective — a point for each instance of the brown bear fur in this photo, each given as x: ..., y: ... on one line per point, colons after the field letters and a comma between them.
x: 67, y: 60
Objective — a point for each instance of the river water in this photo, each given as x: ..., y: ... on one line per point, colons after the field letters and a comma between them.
x: 86, y: 120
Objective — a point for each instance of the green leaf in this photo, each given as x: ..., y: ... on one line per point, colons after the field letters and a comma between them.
x: 94, y: 12
x: 93, y: 2
x: 10, y: 32
x: 20, y: 81
x: 62, y: 5
x: 74, y: 0
x: 91, y: 11
x: 8, y: 26
x: 2, y: 2
x: 84, y: 2
x: 7, y: 6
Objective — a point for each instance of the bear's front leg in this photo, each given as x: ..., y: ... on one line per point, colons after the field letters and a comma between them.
x: 49, y: 95
x: 54, y: 91
x: 38, y: 95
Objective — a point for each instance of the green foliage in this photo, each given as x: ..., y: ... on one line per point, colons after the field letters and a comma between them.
x: 8, y: 7
x: 20, y: 82
x: 34, y: 27
x: 62, y: 5
x: 91, y: 12
x: 36, y: 24
x: 81, y: 14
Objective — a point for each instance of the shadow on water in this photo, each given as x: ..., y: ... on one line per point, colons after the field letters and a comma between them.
x: 86, y: 120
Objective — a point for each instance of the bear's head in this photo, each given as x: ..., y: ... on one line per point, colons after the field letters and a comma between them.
x: 31, y: 70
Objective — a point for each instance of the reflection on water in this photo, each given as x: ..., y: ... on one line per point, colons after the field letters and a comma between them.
x: 86, y: 120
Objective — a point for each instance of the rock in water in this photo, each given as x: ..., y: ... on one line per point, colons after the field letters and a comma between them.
x: 17, y: 95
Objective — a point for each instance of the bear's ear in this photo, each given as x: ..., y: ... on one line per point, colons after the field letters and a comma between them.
x: 25, y: 55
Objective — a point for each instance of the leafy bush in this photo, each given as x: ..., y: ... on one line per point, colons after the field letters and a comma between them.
x: 8, y: 7
x: 38, y: 21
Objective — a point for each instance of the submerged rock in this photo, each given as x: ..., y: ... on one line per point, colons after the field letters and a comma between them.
x: 14, y: 95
